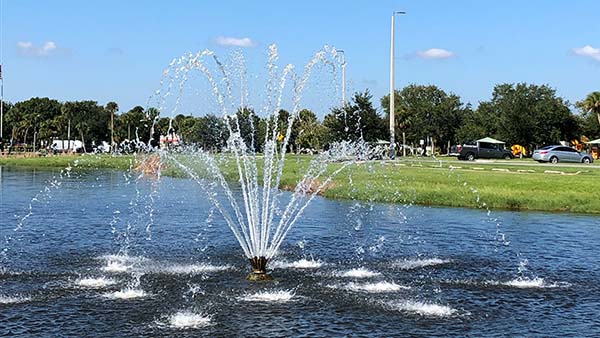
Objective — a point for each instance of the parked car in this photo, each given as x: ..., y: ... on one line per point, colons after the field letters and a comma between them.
x: 484, y: 150
x: 555, y: 154
x: 103, y: 147
x: 66, y: 145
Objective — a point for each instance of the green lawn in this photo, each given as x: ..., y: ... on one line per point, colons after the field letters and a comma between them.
x: 514, y: 185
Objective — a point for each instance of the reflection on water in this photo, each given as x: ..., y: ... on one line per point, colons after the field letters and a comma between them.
x: 83, y: 262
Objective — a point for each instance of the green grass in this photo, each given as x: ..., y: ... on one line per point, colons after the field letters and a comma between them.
x: 478, y: 189
x: 87, y: 162
x: 426, y: 182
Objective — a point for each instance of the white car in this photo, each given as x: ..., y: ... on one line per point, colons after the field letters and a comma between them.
x: 558, y: 153
x: 66, y: 145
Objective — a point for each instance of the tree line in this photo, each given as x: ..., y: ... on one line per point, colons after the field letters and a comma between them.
x: 526, y: 114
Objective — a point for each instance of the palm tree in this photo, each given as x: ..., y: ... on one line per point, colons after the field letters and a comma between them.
x: 112, y: 108
x: 592, y: 104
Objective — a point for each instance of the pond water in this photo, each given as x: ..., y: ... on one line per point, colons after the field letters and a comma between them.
x: 101, y: 254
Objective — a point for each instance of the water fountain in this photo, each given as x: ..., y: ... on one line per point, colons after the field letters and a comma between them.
x: 378, y: 269
x: 261, y: 221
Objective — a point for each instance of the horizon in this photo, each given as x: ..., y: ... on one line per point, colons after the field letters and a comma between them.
x: 107, y: 52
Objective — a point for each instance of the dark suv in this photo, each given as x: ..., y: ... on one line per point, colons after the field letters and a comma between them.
x: 484, y: 150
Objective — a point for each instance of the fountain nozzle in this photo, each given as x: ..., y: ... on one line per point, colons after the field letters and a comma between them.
x: 259, y: 269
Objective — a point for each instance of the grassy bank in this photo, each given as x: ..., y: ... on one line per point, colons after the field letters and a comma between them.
x: 516, y: 185
x: 86, y: 162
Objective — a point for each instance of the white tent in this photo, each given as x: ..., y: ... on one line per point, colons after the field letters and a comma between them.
x: 490, y: 140
x: 594, y: 141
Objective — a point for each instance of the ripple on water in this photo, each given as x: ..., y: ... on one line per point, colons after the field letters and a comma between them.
x: 422, y: 308
x: 416, y: 263
x: 277, y: 296
x: 359, y: 273
x: 188, y: 320
x: 15, y: 299
x: 379, y: 287
x: 127, y: 294
x: 299, y: 264
x: 95, y: 283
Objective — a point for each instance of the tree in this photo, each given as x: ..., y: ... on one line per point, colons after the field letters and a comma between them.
x: 478, y: 123
x: 426, y: 111
x: 251, y: 127
x: 89, y: 119
x: 211, y: 131
x: 358, y: 120
x: 136, y: 124
x: 26, y: 117
x: 529, y: 114
x: 308, y: 132
x: 591, y: 104
x: 588, y: 123
x: 7, y: 106
x: 112, y: 108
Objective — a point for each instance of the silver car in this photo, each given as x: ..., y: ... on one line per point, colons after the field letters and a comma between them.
x: 555, y: 154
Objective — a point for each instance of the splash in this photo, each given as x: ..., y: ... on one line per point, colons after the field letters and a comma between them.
x: 279, y: 296
x: 194, y: 269
x: 379, y: 287
x: 526, y: 283
x: 116, y: 267
x: 127, y: 294
x: 16, y: 299
x: 359, y: 273
x: 189, y: 320
x: 95, y: 283
x: 422, y: 308
x: 299, y: 264
x: 410, y: 264
x: 121, y: 263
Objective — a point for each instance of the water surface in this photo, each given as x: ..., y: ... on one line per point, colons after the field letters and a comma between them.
x: 103, y: 254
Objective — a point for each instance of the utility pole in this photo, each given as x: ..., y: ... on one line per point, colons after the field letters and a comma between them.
x: 69, y: 137
x: 1, y: 78
x: 1, y: 105
x: 343, y: 77
x: 242, y: 92
x: 112, y: 130
x: 392, y: 96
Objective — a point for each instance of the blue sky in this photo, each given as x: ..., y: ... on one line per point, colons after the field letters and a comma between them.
x: 116, y: 50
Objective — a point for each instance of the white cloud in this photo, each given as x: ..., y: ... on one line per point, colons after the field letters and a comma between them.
x: 588, y: 51
x: 435, y: 53
x: 235, y: 42
x: 27, y: 48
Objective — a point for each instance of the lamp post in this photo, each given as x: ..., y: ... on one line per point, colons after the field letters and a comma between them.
x: 343, y: 77
x: 392, y: 96
x: 1, y: 104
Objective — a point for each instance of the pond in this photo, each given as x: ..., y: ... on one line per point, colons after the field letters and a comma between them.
x: 103, y: 254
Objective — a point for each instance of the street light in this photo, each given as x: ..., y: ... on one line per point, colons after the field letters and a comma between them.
x: 343, y: 77
x: 392, y: 96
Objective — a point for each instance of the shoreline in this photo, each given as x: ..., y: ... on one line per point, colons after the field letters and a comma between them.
x: 499, y: 186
